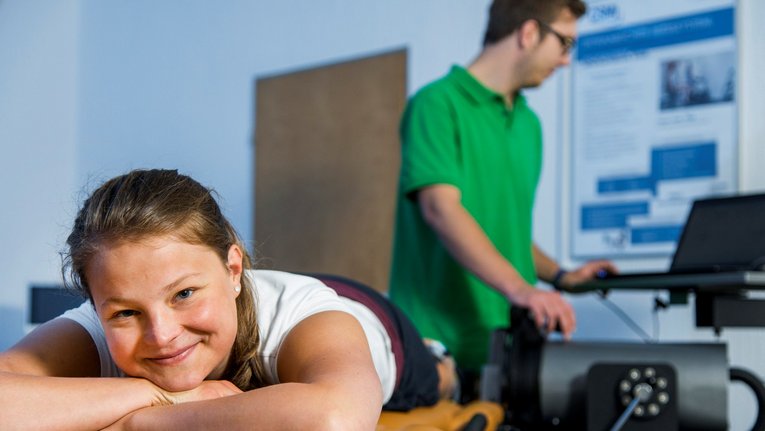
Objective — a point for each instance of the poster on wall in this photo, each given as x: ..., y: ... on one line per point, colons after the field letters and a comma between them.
x: 654, y: 121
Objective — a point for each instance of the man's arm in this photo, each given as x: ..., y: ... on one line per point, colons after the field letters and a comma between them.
x: 441, y: 208
x: 547, y: 269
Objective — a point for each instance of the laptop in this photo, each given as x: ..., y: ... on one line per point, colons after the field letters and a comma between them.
x: 722, y: 244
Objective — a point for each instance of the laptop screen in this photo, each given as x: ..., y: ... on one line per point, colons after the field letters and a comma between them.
x: 723, y: 234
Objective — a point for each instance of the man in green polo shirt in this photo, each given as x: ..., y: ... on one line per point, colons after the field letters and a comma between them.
x: 471, y: 160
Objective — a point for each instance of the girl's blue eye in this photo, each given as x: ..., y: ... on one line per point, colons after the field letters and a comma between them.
x: 124, y: 313
x: 184, y: 294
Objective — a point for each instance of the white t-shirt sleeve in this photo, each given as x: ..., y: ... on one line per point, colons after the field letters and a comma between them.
x: 85, y: 315
x: 284, y: 300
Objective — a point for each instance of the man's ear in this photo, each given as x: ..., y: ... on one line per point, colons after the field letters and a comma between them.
x: 529, y: 34
x: 234, y: 263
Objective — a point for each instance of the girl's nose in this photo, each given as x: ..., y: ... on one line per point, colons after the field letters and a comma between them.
x: 161, y: 328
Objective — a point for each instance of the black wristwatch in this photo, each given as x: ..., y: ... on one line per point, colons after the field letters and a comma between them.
x: 558, y: 278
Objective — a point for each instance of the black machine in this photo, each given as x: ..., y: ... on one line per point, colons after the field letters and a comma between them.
x: 47, y: 302
x: 606, y: 386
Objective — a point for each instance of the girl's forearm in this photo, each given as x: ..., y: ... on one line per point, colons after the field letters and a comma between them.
x: 35, y: 402
x: 278, y: 407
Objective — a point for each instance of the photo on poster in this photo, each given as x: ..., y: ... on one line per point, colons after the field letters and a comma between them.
x: 698, y: 80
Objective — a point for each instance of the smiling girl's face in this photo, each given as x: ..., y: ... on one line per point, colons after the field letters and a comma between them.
x: 168, y: 308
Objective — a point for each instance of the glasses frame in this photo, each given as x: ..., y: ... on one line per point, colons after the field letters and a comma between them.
x: 567, y: 42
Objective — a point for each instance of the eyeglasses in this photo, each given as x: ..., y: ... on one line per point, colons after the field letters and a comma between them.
x: 567, y: 42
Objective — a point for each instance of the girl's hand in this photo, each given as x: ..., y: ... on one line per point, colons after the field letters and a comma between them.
x: 208, y: 390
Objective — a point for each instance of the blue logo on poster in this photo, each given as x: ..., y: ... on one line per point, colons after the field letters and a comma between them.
x: 604, y: 13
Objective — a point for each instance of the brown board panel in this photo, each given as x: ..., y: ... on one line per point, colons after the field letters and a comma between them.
x: 326, y: 167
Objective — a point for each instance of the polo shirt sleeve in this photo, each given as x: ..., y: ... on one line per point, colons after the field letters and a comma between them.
x: 429, y: 143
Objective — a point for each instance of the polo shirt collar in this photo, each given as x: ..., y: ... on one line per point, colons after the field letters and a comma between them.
x: 478, y: 92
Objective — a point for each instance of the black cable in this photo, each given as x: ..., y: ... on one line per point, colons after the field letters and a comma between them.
x: 626, y: 319
x: 642, y: 394
x: 756, y: 385
x: 658, y: 304
x: 656, y: 323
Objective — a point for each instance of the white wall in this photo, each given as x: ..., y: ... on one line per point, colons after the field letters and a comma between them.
x: 92, y: 88
x: 752, y: 102
x: 171, y: 83
x: 38, y: 128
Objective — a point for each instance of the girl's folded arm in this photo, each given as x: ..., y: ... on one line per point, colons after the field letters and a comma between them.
x: 50, y: 380
x: 329, y: 384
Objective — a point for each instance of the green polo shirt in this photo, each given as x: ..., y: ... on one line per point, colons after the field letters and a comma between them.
x: 456, y: 131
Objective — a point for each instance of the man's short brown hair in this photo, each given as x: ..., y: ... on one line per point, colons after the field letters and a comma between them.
x: 507, y: 16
